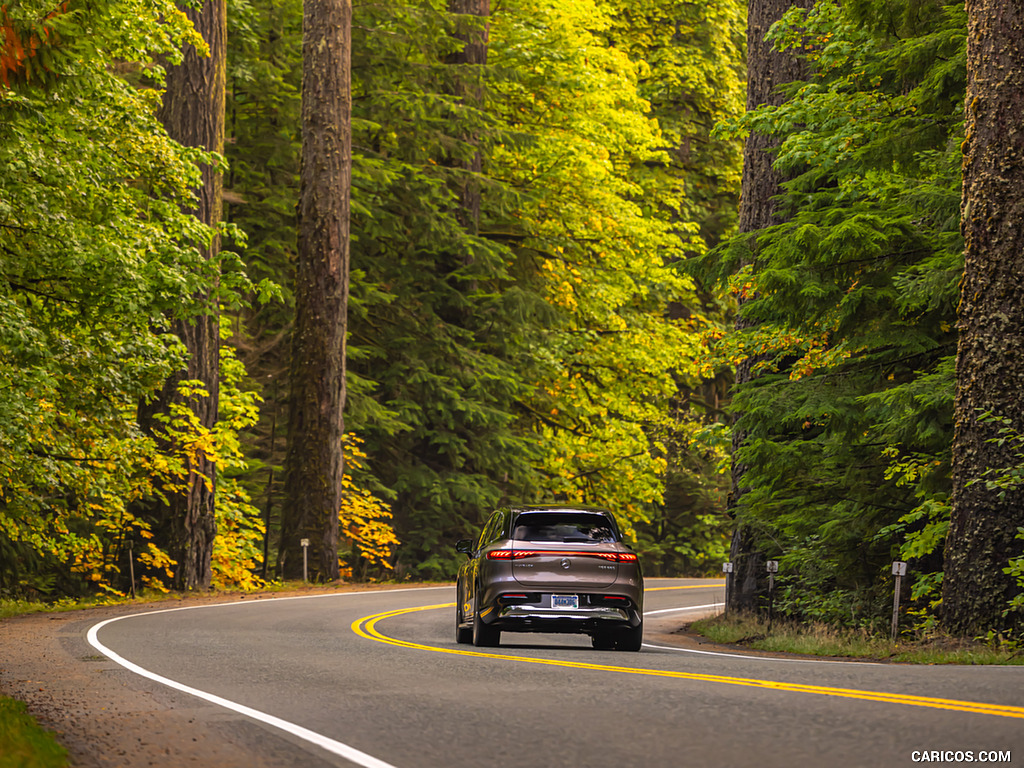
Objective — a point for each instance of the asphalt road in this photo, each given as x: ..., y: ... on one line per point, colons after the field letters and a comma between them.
x: 376, y: 679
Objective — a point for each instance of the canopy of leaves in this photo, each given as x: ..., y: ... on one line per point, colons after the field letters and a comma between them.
x: 95, y: 258
x: 533, y: 356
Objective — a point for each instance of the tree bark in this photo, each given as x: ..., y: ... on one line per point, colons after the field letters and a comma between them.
x: 990, y: 356
x: 471, y: 58
x: 314, y: 464
x: 767, y: 70
x: 193, y: 115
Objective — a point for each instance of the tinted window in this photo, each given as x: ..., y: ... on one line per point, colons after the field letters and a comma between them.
x: 562, y: 527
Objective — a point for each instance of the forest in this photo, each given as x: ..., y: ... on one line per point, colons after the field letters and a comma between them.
x: 747, y: 274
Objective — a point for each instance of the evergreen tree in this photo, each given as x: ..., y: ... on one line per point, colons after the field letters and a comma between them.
x: 850, y: 301
x: 768, y: 71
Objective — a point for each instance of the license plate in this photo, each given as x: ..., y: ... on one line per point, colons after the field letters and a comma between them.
x: 565, y: 601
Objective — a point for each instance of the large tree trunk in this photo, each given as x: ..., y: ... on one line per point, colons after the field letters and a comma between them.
x: 990, y: 358
x: 315, y: 461
x: 767, y: 70
x: 193, y: 115
x: 468, y: 86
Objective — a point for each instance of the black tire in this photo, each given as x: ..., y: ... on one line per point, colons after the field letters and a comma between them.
x: 603, y: 640
x: 484, y: 636
x: 631, y: 639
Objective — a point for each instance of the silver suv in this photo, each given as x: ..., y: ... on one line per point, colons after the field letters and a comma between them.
x: 550, y: 569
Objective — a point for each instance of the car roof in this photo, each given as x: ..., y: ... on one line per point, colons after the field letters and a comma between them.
x: 525, y: 508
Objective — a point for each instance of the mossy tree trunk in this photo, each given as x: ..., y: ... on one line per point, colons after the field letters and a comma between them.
x: 990, y: 356
x: 193, y: 115
x: 314, y: 464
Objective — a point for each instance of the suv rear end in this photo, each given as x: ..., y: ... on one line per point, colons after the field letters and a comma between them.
x: 552, y: 569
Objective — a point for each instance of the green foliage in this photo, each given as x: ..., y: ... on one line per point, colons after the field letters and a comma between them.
x: 96, y: 257
x: 689, y: 59
x: 240, y: 530
x: 600, y: 259
x: 852, y: 306
x: 546, y: 350
x: 23, y: 743
x: 529, y: 357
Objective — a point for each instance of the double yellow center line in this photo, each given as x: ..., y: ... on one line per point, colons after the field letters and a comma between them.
x: 367, y: 627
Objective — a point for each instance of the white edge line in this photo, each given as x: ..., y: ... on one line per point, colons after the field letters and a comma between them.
x: 335, y: 747
x: 740, y: 655
x: 687, y: 608
x: 759, y: 658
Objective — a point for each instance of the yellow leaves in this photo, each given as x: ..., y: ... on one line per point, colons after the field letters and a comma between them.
x: 364, y: 519
x: 819, y: 356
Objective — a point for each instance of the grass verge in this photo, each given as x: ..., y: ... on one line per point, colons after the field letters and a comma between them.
x: 822, y: 640
x: 23, y: 743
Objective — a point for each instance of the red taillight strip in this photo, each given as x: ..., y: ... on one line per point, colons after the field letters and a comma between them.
x: 519, y: 554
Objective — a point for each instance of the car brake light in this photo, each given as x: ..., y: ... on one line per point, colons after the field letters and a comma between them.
x: 519, y: 554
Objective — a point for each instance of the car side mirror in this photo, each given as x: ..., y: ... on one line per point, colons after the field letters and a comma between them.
x: 465, y: 546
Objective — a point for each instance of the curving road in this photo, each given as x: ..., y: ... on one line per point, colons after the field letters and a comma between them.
x: 376, y: 679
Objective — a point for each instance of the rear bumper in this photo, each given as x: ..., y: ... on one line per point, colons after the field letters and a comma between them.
x: 535, y: 618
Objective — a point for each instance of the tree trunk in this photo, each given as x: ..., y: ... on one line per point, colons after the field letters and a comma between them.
x: 314, y: 463
x: 468, y: 86
x: 193, y: 115
x: 767, y: 70
x: 990, y: 357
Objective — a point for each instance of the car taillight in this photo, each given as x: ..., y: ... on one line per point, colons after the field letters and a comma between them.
x: 519, y: 554
x: 616, y: 600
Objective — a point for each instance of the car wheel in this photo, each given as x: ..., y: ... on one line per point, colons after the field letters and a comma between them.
x: 631, y: 639
x: 603, y: 640
x: 484, y: 636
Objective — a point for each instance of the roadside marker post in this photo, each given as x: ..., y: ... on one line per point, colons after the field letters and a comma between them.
x: 305, y: 559
x: 773, y: 568
x: 899, y: 570
x: 727, y: 570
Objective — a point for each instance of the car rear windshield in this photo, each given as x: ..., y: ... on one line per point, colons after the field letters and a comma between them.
x: 563, y: 527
